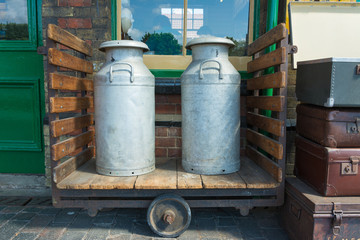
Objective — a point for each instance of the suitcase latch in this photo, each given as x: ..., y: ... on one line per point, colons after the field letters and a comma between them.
x: 358, y: 69
x: 353, y: 127
x: 352, y: 167
x: 338, y: 214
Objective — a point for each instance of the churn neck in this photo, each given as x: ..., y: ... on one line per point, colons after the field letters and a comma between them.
x: 123, y: 49
x: 209, y: 47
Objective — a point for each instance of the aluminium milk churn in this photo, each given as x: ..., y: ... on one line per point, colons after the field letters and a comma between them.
x: 124, y: 111
x: 210, y: 101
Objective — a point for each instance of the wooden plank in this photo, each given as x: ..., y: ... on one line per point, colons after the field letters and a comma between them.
x: 68, y: 104
x: 273, y: 36
x: 163, y: 177
x: 62, y: 59
x: 64, y: 82
x: 256, y: 177
x: 67, y: 39
x: 277, y: 57
x: 68, y: 125
x: 265, y: 163
x: 267, y: 144
x: 232, y: 180
x: 271, y: 125
x: 67, y: 146
x: 275, y: 80
x: 66, y: 168
x: 187, y: 180
x: 273, y: 103
x: 111, y: 182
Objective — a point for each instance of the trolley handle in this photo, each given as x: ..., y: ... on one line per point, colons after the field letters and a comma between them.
x: 201, y: 75
x: 124, y: 63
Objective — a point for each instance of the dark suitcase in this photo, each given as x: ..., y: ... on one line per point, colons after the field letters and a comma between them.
x: 307, y: 215
x: 330, y: 171
x: 330, y: 127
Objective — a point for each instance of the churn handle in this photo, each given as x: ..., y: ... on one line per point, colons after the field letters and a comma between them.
x: 201, y: 76
x: 119, y: 63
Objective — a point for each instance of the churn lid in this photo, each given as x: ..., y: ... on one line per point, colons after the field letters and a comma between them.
x: 123, y: 43
x: 209, y: 40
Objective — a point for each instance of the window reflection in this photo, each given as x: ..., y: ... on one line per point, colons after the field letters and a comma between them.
x: 13, y: 20
x: 158, y: 23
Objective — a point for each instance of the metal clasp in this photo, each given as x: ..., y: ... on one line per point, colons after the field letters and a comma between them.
x: 338, y: 215
x: 351, y: 168
x: 352, y: 127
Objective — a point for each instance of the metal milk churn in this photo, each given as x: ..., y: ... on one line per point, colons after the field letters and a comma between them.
x: 124, y: 111
x: 210, y: 101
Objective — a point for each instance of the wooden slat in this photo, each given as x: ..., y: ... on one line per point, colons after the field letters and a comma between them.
x: 67, y: 146
x: 273, y: 103
x: 273, y: 36
x: 67, y: 39
x: 66, y: 168
x: 86, y: 177
x: 68, y: 104
x: 270, y: 125
x: 68, y: 125
x: 275, y: 80
x: 267, y: 144
x: 64, y: 82
x: 164, y: 176
x: 232, y: 180
x: 62, y: 59
x: 187, y: 180
x: 265, y: 163
x: 271, y: 59
x: 255, y: 177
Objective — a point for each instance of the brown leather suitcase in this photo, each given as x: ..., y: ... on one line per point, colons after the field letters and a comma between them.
x: 330, y: 127
x: 330, y: 171
x: 307, y: 215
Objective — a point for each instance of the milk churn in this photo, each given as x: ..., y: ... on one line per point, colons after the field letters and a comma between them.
x: 210, y: 101
x: 124, y: 111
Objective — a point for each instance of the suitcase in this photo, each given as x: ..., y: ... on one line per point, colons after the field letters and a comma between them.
x: 330, y: 127
x: 331, y: 82
x: 330, y: 171
x: 307, y: 215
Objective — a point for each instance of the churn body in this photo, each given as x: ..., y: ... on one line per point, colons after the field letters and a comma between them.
x: 210, y: 100
x: 124, y: 111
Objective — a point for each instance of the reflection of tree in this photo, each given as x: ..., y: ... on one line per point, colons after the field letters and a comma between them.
x: 239, y: 49
x: 14, y: 31
x: 162, y: 43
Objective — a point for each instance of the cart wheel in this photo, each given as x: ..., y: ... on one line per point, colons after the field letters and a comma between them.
x: 169, y: 215
x: 92, y: 212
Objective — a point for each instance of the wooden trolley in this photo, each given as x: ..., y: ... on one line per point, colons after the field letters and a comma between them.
x: 75, y: 183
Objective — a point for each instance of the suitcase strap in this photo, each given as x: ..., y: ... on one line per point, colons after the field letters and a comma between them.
x: 338, y: 215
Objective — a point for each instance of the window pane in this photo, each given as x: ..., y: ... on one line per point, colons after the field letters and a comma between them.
x: 158, y: 23
x: 220, y: 18
x: 13, y: 20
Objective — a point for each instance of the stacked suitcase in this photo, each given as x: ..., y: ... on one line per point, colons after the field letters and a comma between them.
x: 323, y: 201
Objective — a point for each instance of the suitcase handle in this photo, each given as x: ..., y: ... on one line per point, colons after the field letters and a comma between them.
x: 358, y: 69
x: 294, y: 210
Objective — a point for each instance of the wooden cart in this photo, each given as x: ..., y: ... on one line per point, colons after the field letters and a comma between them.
x: 75, y: 183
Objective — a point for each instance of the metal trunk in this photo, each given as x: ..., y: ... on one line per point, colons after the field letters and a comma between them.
x: 210, y: 101
x: 124, y: 111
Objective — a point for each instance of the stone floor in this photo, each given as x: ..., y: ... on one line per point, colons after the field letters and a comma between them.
x: 35, y: 218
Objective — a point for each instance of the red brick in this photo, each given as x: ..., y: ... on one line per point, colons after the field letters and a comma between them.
x: 164, y: 142
x: 164, y: 109
x: 174, y: 152
x: 175, y: 132
x: 76, y: 3
x: 159, y: 98
x: 178, y: 108
x: 174, y: 99
x: 79, y: 23
x: 87, y: 3
x: 160, y: 152
x: 178, y: 142
x: 62, y: 3
x: 62, y: 22
x: 161, y: 131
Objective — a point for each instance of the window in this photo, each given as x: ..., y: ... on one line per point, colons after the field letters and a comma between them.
x: 160, y: 24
